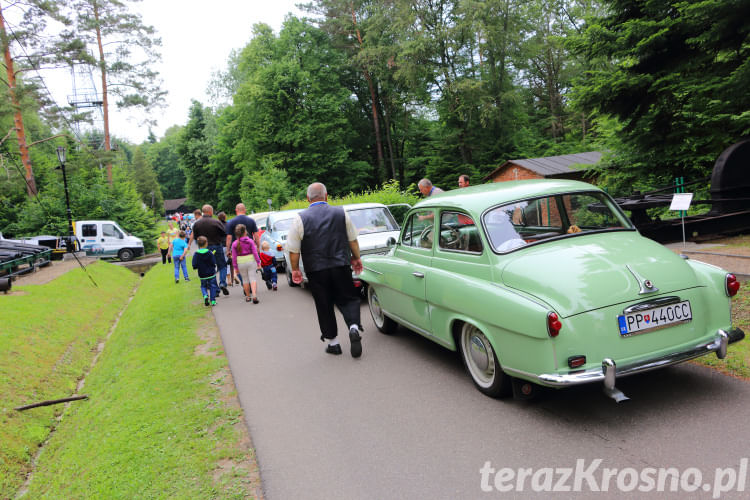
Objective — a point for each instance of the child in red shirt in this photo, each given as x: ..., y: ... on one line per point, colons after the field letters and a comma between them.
x: 268, y: 262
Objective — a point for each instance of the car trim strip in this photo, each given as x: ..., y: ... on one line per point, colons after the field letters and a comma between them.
x: 651, y: 304
x: 718, y: 345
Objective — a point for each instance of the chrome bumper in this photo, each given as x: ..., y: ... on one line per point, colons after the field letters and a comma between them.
x: 609, y: 371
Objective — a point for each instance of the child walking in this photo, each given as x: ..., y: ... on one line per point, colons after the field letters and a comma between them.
x: 246, y: 261
x: 268, y: 262
x: 205, y: 262
x: 178, y: 251
x: 163, y: 244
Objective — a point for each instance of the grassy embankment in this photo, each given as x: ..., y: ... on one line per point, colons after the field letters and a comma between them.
x: 47, y: 340
x: 160, y: 421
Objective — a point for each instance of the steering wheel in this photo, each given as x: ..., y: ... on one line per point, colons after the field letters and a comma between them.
x: 425, y: 237
x: 452, y: 239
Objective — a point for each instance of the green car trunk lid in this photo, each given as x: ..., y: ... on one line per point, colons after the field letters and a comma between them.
x: 592, y: 271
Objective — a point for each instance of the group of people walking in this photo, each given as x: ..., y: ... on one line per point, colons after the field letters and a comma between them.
x: 322, y: 235
x: 239, y: 237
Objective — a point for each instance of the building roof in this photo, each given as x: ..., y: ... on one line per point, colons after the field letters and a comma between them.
x: 553, y: 165
x: 174, y: 204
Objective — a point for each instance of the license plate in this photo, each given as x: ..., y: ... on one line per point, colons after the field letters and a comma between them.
x: 654, y: 319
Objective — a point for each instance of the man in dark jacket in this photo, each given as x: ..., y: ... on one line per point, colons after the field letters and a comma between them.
x: 326, y: 239
x: 215, y: 233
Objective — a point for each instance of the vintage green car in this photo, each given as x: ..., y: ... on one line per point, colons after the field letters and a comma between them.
x: 546, y: 283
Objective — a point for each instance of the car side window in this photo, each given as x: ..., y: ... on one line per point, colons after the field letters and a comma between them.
x: 418, y: 230
x: 88, y: 230
x: 458, y: 232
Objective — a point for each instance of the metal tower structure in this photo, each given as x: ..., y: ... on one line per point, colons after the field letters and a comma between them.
x: 86, y: 101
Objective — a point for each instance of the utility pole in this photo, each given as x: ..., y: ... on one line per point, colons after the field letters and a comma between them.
x: 17, y: 117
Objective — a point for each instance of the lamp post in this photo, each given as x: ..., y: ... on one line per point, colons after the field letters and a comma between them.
x: 71, y: 234
x: 270, y: 203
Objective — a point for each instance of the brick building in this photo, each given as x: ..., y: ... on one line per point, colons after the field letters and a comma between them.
x: 559, y: 167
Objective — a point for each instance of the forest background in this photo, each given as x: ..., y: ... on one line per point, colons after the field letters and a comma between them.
x: 359, y: 93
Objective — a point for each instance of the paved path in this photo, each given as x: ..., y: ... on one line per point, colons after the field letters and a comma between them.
x: 404, y: 421
x: 728, y: 258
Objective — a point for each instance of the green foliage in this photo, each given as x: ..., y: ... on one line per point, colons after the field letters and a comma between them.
x: 194, y: 147
x: 388, y: 194
x: 264, y: 184
x: 165, y: 159
x: 146, y: 183
x: 91, y: 197
x: 675, y: 74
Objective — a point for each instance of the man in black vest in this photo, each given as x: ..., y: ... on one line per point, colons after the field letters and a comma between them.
x: 327, y: 240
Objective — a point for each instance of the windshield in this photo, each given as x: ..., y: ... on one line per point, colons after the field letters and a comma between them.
x: 372, y: 220
x: 282, y: 225
x: 534, y: 220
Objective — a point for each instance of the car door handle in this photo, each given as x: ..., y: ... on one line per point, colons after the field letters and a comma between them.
x: 418, y: 275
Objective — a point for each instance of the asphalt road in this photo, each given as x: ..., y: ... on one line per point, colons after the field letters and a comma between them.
x: 405, y: 421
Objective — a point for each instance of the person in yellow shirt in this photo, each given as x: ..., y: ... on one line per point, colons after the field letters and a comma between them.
x: 172, y: 232
x: 162, y: 242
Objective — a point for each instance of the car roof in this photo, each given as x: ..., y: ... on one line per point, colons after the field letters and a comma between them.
x: 356, y: 206
x: 284, y: 214
x: 478, y: 198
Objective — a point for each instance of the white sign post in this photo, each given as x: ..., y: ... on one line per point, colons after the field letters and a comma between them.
x: 681, y: 202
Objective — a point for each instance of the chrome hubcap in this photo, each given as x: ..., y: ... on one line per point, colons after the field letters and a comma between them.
x: 479, y: 353
x: 377, y: 312
x: 479, y: 356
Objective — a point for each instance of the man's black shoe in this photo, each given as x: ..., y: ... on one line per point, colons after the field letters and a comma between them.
x: 224, y: 290
x: 333, y: 349
x: 356, y: 341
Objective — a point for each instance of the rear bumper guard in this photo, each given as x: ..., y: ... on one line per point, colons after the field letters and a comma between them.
x: 609, y: 372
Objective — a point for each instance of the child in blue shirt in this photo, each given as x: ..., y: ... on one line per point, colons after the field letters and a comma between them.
x: 178, y: 251
x: 205, y: 262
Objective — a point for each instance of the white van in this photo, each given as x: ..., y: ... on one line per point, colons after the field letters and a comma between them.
x: 105, y: 238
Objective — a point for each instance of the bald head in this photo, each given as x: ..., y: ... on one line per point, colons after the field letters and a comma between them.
x: 240, y: 209
x: 208, y: 210
x: 316, y: 192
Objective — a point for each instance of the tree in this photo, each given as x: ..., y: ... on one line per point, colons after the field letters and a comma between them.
x: 33, y: 16
x: 292, y: 108
x: 675, y: 76
x: 267, y: 183
x: 195, y: 147
x: 127, y: 50
x: 165, y: 159
x: 146, y: 183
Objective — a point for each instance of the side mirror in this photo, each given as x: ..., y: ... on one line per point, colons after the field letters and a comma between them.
x: 391, y: 242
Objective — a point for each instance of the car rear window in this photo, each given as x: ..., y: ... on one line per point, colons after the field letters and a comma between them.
x: 515, y: 225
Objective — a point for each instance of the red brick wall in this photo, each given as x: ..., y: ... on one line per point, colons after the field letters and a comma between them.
x: 515, y: 173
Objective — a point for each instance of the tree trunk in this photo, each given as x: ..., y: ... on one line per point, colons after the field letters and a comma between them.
x: 373, y: 97
x: 17, y: 117
x: 105, y: 102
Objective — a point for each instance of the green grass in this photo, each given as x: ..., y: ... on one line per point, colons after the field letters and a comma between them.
x: 737, y: 362
x: 157, y: 424
x: 47, y: 341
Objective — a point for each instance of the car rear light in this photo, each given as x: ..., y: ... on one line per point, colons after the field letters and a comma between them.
x: 553, y: 324
x: 733, y: 286
x: 576, y: 361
